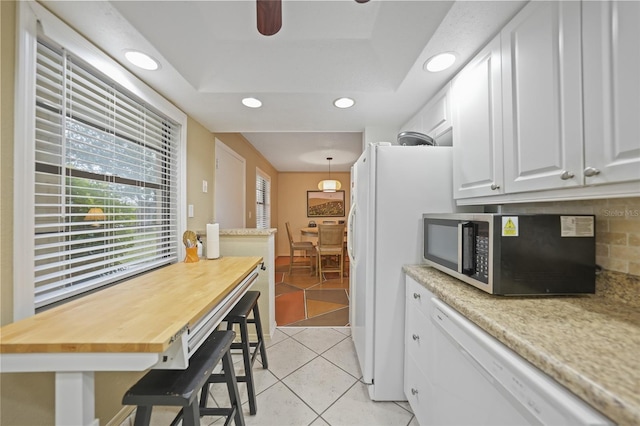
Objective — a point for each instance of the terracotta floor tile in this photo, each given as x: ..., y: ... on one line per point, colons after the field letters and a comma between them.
x: 338, y: 318
x: 328, y: 295
x: 290, y: 308
x: 301, y: 281
x: 284, y: 288
x: 282, y: 260
x: 327, y: 302
x: 318, y: 307
x: 334, y: 275
x: 332, y: 284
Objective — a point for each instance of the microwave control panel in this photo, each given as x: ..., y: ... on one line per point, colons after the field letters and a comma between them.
x: 476, y: 242
x: 482, y: 258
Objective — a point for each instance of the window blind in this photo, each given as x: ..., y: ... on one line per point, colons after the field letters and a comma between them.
x: 105, y: 180
x: 263, y: 200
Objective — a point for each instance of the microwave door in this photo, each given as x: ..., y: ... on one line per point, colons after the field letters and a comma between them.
x: 467, y: 232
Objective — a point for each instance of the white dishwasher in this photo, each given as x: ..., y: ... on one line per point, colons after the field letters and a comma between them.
x: 476, y: 380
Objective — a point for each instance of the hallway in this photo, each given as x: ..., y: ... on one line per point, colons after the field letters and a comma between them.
x: 303, y: 300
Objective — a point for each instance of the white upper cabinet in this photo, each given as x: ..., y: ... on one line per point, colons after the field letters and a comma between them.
x: 542, y: 105
x: 477, y: 134
x: 434, y: 119
x: 611, y: 40
x: 436, y: 115
x: 414, y: 124
x: 560, y: 118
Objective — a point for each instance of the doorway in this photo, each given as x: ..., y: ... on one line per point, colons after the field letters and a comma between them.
x: 307, y: 300
x: 230, y: 187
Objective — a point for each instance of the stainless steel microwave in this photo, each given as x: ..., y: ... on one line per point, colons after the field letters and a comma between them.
x: 514, y: 254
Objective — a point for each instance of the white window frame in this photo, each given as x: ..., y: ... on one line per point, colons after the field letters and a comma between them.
x: 32, y: 15
x: 267, y: 178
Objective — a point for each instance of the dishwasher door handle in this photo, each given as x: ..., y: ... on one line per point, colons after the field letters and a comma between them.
x: 477, y: 365
x: 443, y: 322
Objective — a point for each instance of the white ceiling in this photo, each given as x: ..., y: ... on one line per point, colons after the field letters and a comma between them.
x: 212, y: 56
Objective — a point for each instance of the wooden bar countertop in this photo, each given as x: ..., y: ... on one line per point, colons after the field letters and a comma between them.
x: 142, y: 314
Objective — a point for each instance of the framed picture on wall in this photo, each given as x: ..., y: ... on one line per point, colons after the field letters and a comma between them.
x: 325, y: 204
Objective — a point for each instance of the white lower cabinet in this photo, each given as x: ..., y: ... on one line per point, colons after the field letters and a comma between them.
x: 457, y: 374
x: 417, y: 390
x: 418, y: 349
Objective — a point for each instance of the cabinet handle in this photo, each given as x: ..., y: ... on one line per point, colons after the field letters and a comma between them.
x: 416, y: 296
x: 590, y: 171
x: 494, y: 186
x: 566, y: 175
x: 414, y: 391
x: 415, y: 337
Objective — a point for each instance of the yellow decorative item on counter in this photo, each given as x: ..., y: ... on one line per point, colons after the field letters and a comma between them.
x: 190, y: 241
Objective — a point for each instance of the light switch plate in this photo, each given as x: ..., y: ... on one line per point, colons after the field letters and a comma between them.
x: 205, y: 186
x: 190, y: 210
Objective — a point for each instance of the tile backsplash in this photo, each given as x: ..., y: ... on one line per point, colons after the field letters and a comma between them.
x: 617, y: 228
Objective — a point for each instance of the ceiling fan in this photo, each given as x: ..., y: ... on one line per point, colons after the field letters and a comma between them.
x: 270, y: 16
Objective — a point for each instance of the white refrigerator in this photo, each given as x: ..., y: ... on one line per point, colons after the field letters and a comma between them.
x: 391, y: 187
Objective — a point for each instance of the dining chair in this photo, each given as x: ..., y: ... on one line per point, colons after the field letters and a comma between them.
x: 330, y: 243
x: 306, y: 246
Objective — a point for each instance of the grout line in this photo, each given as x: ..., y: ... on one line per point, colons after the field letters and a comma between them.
x: 304, y: 304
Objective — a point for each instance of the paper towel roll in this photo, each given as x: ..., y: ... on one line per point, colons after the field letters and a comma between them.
x: 213, y: 240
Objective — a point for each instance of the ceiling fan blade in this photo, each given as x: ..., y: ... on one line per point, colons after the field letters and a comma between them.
x: 269, y: 16
x: 362, y: 1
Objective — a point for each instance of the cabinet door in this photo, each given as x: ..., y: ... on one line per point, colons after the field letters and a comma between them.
x: 436, y: 115
x: 611, y: 38
x: 434, y: 118
x: 541, y: 75
x: 419, y: 349
x: 477, y: 135
x: 414, y: 124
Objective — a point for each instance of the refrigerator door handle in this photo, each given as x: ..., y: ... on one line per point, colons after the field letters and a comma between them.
x: 350, y: 236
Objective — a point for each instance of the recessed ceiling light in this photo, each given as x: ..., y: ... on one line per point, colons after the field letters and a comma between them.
x: 141, y: 60
x: 344, y: 103
x: 252, y: 102
x: 440, y: 62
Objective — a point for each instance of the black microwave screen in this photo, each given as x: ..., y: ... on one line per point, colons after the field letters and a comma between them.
x: 442, y: 242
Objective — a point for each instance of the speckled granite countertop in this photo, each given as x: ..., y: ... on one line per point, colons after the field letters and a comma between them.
x: 589, y: 344
x: 248, y: 231
x: 243, y: 232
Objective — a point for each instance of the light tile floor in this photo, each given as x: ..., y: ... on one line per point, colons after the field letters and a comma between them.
x: 312, y: 379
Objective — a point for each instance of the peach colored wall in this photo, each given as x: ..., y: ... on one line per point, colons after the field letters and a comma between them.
x: 292, y: 203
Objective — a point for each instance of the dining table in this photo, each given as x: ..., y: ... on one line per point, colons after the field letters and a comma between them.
x: 312, y: 231
x: 154, y: 320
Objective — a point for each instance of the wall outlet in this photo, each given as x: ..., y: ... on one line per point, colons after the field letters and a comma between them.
x: 205, y: 186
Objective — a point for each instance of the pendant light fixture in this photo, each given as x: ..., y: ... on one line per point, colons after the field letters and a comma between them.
x: 329, y: 185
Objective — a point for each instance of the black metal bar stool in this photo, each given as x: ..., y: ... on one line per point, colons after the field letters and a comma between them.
x: 240, y: 315
x: 179, y: 388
